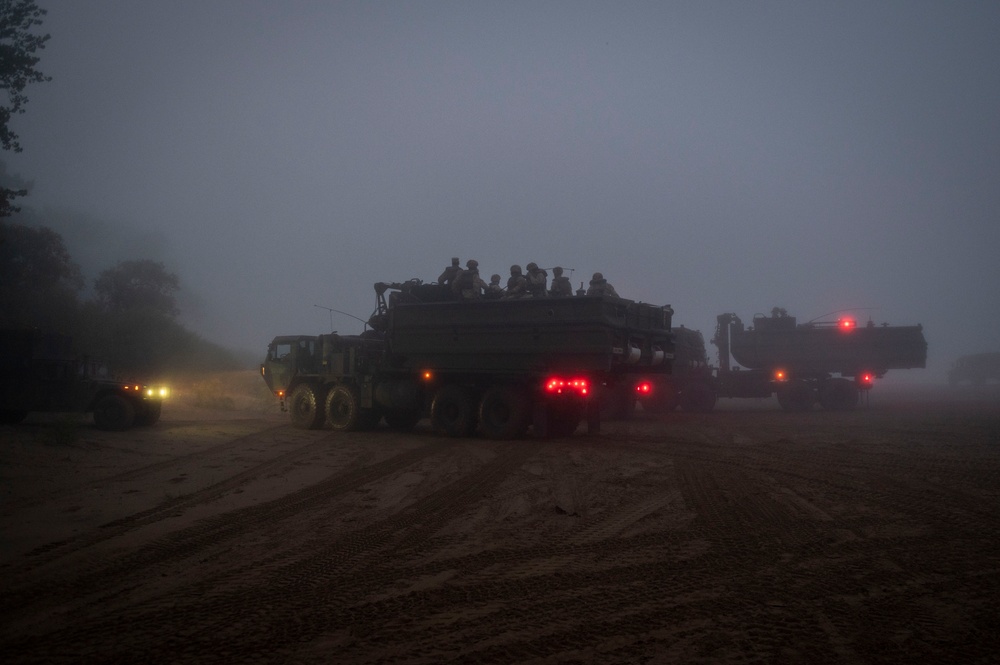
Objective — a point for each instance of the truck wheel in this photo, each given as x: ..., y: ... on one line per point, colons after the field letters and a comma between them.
x: 114, y: 413
x: 12, y: 417
x: 796, y: 396
x: 698, y: 398
x: 663, y: 400
x: 148, y: 414
x: 343, y: 409
x: 838, y: 395
x: 304, y: 408
x: 452, y: 412
x: 504, y: 413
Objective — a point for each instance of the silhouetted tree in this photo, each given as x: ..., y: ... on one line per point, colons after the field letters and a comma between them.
x: 38, y: 279
x: 142, y: 284
x: 18, y: 45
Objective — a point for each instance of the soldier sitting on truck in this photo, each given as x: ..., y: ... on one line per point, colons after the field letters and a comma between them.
x: 560, y: 283
x: 537, y: 281
x: 517, y: 285
x: 600, y: 287
x: 493, y: 290
x: 467, y: 285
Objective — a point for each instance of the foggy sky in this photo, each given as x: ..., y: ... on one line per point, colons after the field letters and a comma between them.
x: 717, y: 156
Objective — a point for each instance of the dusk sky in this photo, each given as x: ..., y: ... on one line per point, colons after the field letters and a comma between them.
x: 716, y: 156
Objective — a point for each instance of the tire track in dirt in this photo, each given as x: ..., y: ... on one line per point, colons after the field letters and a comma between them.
x: 297, y: 589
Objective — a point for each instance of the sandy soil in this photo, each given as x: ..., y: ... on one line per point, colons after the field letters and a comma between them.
x: 743, y: 536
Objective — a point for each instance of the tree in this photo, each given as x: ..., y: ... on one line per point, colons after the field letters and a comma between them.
x: 38, y: 278
x: 142, y: 284
x: 18, y: 46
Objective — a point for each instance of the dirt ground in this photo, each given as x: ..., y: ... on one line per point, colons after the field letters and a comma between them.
x: 747, y: 535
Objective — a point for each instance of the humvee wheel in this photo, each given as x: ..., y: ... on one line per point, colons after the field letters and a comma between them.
x: 796, y: 396
x: 114, y: 413
x: 304, y: 408
x: 452, y: 412
x: 343, y: 409
x: 504, y: 413
x: 838, y: 395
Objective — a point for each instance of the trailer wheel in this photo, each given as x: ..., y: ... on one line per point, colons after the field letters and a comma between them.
x: 452, y: 412
x: 838, y: 395
x: 148, y: 414
x: 796, y: 396
x: 504, y: 413
x: 303, y: 405
x: 114, y: 413
x: 343, y: 409
x: 699, y: 397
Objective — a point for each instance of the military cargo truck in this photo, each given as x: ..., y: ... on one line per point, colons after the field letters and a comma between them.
x: 41, y: 372
x: 975, y: 370
x: 493, y: 366
x: 830, y: 362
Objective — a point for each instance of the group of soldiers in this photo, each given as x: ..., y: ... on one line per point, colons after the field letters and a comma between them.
x: 466, y: 284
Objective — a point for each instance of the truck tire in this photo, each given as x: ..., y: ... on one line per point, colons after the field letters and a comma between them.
x: 148, y: 414
x: 343, y: 409
x: 114, y: 413
x: 504, y: 413
x: 838, y: 395
x: 12, y: 417
x: 796, y: 396
x: 304, y: 408
x: 452, y: 412
x: 698, y: 397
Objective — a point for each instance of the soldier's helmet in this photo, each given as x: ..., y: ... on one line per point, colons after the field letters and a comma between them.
x: 454, y: 261
x: 515, y: 269
x: 532, y: 266
x: 557, y: 271
x: 494, y: 278
x: 597, y: 277
x: 472, y: 264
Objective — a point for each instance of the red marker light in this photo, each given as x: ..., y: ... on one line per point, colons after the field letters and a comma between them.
x: 644, y: 388
x: 847, y: 324
x: 779, y: 375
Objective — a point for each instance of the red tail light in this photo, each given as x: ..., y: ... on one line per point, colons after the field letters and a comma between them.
x: 865, y: 380
x: 559, y: 386
x: 846, y: 324
x: 644, y: 388
x: 780, y: 375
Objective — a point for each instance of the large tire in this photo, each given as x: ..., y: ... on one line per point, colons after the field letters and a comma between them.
x: 838, y: 395
x: 343, y: 409
x: 504, y: 413
x: 12, y: 417
x: 698, y: 397
x: 304, y: 407
x: 148, y: 414
x: 114, y: 413
x: 452, y: 412
x: 796, y: 396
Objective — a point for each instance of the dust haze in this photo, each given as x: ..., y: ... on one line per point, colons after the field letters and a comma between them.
x: 719, y: 157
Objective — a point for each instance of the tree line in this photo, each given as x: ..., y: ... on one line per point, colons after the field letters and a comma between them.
x: 129, y: 319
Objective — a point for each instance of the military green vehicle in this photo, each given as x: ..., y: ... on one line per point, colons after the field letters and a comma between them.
x: 830, y: 362
x: 40, y: 372
x: 493, y: 366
